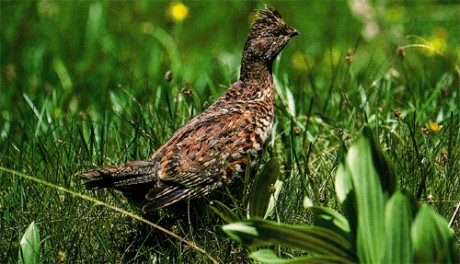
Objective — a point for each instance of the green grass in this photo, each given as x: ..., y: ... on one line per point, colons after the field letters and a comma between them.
x: 82, y: 85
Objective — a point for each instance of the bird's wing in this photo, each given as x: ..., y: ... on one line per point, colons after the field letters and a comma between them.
x: 207, y: 150
x: 200, y: 156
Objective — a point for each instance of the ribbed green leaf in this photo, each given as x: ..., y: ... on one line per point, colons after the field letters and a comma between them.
x: 313, y: 239
x: 433, y: 241
x: 270, y: 257
x: 29, y: 249
x: 382, y: 165
x: 398, y: 220
x: 223, y: 212
x: 343, y: 183
x: 262, y: 189
x: 330, y: 219
x: 273, y: 199
x: 370, y: 199
x: 347, y: 197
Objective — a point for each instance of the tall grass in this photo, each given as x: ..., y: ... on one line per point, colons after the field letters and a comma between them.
x: 83, y: 85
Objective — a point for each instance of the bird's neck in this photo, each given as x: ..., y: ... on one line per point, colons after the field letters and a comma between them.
x: 254, y: 70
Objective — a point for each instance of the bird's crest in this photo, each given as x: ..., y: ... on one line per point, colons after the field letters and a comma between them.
x: 268, y: 16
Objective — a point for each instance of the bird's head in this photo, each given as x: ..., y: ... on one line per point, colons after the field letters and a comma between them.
x: 269, y: 34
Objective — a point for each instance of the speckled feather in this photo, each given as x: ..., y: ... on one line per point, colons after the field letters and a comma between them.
x: 214, y: 146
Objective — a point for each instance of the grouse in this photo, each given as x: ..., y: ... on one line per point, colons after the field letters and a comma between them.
x: 215, y: 146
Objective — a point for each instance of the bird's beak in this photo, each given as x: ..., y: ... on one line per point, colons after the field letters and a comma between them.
x: 294, y: 33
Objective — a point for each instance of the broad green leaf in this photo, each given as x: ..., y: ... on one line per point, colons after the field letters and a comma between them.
x: 370, y: 199
x: 330, y: 219
x: 223, y: 212
x: 242, y: 232
x: 382, y: 164
x: 398, y: 220
x: 317, y: 240
x: 433, y: 241
x: 273, y: 199
x: 262, y: 190
x: 347, y: 197
x: 29, y: 247
x: 270, y: 257
x: 307, y: 202
x: 343, y: 183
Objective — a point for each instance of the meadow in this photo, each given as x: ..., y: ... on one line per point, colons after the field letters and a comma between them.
x: 85, y: 84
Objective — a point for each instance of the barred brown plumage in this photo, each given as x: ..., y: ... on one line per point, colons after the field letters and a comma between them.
x: 215, y: 145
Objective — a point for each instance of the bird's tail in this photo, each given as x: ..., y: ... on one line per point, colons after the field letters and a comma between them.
x: 133, y: 179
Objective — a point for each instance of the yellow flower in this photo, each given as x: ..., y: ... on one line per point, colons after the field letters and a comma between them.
x: 178, y: 11
x: 438, y: 41
x: 435, y: 127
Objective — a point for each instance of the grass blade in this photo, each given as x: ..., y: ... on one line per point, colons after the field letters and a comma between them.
x: 223, y: 212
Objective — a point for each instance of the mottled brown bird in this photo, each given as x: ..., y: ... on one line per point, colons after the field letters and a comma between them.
x: 213, y: 147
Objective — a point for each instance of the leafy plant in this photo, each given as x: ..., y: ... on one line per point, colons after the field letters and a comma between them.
x: 379, y: 223
x: 262, y: 198
x: 29, y: 249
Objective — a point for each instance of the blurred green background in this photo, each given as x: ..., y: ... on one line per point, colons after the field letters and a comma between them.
x: 80, y: 50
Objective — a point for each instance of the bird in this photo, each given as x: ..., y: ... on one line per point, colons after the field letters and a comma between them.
x: 216, y: 146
